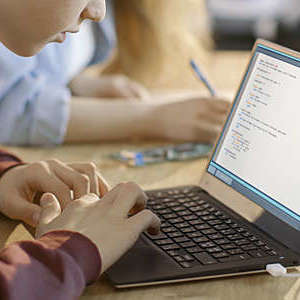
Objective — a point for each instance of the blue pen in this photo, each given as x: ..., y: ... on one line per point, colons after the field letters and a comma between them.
x: 201, y: 76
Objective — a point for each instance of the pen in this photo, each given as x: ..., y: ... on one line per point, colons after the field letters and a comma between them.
x: 202, y: 77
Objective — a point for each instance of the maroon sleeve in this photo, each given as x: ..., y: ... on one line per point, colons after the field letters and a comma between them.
x: 57, y: 266
x: 8, y: 161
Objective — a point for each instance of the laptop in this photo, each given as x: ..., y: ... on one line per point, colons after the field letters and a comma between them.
x: 255, y: 161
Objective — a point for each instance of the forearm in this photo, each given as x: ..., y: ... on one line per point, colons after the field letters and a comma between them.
x: 95, y: 120
x: 58, y: 266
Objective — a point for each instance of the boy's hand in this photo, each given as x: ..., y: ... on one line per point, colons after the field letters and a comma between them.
x: 113, y: 87
x: 104, y: 221
x: 20, y: 185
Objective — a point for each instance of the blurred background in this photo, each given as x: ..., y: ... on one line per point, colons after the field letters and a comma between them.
x: 157, y: 38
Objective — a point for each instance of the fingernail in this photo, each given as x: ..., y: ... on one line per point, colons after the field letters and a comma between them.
x: 44, y: 200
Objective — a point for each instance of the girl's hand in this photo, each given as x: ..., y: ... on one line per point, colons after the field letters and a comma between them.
x: 20, y: 185
x: 104, y: 221
x: 192, y: 120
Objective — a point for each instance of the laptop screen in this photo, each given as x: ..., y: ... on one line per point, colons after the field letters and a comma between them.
x: 258, y: 153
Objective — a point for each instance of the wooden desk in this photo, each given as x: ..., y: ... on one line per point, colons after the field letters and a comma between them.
x: 170, y: 174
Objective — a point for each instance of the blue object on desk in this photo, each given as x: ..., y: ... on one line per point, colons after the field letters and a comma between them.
x: 202, y: 77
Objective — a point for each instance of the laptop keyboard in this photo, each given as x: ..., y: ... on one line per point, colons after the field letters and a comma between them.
x: 195, y: 232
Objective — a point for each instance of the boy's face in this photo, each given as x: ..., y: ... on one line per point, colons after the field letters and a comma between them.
x: 26, y: 26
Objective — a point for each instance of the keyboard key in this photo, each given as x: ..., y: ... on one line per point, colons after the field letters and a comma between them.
x: 193, y: 250
x: 209, y: 231
x: 266, y: 248
x: 166, y: 200
x: 170, y: 247
x: 215, y: 236
x: 253, y: 238
x: 164, y: 225
x: 190, y: 204
x: 165, y: 211
x: 227, y: 221
x: 214, y: 222
x: 196, y: 208
x: 259, y: 243
x: 233, y: 258
x: 191, y: 194
x: 242, y: 242
x: 198, y: 199
x: 235, y: 226
x: 240, y: 230
x: 184, y: 213
x: 235, y: 251
x: 158, y: 207
x: 187, y: 190
x: 194, y: 234
x: 175, y: 234
x: 229, y: 246
x: 220, y: 255
x: 188, y: 229
x: 196, y: 222
x: 234, y: 237
x: 218, y: 213
x: 249, y: 247
x: 176, y: 220
x: 178, y: 208
x: 160, y: 236
x: 273, y: 253
x: 207, y: 205
x: 222, y: 241
x: 188, y: 257
x: 221, y: 227
x: 205, y: 258
x: 187, y: 264
x: 179, y: 258
x: 187, y: 244
x: 257, y: 253
x: 202, y: 213
x: 214, y: 250
x: 170, y: 216
x: 178, y: 252
x: 182, y: 225
x: 202, y: 226
x: 247, y: 234
x: 199, y: 240
x: 163, y: 242
x: 207, y: 245
x: 168, y: 229
x: 181, y: 239
x: 228, y: 231
x: 190, y: 218
x: 207, y: 218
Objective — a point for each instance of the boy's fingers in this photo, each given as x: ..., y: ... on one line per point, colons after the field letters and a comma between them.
x: 21, y: 209
x: 131, y: 198
x: 50, y: 209
x: 104, y: 187
x: 79, y: 183
x: 145, y: 220
x: 90, y: 170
